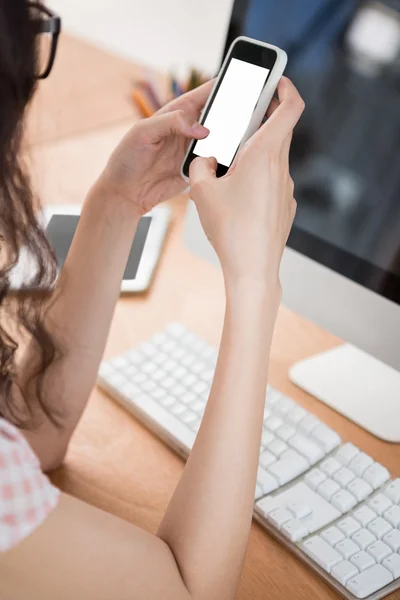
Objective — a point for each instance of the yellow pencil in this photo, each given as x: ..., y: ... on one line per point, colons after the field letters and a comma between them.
x: 142, y: 103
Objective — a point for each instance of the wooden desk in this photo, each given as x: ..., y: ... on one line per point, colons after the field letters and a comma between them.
x: 113, y: 461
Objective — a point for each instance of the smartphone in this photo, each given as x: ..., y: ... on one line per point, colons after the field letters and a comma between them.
x: 238, y: 101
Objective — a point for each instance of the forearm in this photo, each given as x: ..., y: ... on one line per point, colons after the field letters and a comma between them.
x: 207, y: 522
x: 80, y: 316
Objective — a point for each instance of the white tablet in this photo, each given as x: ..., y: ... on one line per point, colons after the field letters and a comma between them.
x: 61, y: 222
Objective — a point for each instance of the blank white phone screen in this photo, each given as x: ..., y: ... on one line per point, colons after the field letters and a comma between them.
x: 231, y: 111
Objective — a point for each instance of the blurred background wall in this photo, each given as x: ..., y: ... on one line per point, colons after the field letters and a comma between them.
x: 167, y: 34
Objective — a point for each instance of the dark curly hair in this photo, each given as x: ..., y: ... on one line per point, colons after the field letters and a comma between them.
x: 21, y: 314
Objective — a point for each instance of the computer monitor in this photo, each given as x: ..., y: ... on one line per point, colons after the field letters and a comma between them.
x: 342, y: 267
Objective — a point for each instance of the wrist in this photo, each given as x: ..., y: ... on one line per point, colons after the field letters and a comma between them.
x: 107, y: 199
x: 254, y: 292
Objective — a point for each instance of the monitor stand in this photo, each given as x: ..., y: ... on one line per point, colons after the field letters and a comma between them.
x: 355, y: 384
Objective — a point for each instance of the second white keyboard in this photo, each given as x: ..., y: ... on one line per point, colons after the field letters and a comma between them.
x: 329, y: 502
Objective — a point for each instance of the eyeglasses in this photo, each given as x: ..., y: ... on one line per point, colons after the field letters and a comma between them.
x: 47, y: 26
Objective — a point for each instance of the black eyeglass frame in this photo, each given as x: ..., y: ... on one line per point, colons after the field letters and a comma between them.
x: 51, y: 25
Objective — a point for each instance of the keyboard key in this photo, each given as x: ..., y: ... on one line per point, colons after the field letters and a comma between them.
x: 380, y: 504
x: 208, y: 376
x: 277, y: 447
x: 134, y: 357
x: 363, y: 538
x: 376, y: 475
x: 348, y: 526
x: 188, y: 398
x: 198, y: 406
x: 178, y: 354
x: 364, y: 515
x: 346, y: 453
x: 119, y: 362
x: 130, y: 390
x: 168, y: 401
x: 322, y: 513
x: 273, y: 423
x: 359, y: 488
x: 393, y: 515
x: 187, y: 360
x: 200, y: 387
x: 284, y: 405
x: 160, y: 358
x: 343, y: 501
x: 326, y: 437
x: 159, y: 374
x: 328, y: 488
x: 347, y: 548
x: 296, y: 415
x: 330, y: 466
x: 279, y: 516
x: 379, y: 527
x: 267, y: 413
x: 178, y: 409
x: 322, y: 553
x: 159, y: 393
x: 117, y: 379
x: 295, y: 530
x: 168, y: 346
x: 148, y: 367
x: 392, y: 539
x: 299, y: 510
x: 149, y: 386
x: 360, y: 463
x: 267, y: 437
x: 195, y: 425
x: 343, y: 571
x: 306, y: 447
x: 379, y: 550
x: 290, y: 465
x: 314, y: 478
x: 148, y: 350
x: 285, y: 432
x: 272, y: 397
x: 267, y: 505
x: 189, y: 417
x: 392, y: 564
x: 362, y: 560
x: 267, y: 458
x: 198, y: 366
x: 308, y: 424
x: 366, y: 583
x: 168, y: 383
x: 179, y: 372
x: 105, y: 370
x: 266, y: 481
x: 393, y: 491
x: 332, y: 535
x: 344, y: 476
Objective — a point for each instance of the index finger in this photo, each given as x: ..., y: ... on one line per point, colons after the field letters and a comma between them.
x: 284, y: 118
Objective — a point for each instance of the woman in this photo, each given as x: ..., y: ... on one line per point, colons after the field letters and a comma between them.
x: 53, y: 545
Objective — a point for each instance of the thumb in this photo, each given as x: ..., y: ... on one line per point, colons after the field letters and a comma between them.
x: 202, y: 170
x: 176, y: 122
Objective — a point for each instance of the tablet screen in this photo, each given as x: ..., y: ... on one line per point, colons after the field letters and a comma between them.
x: 61, y: 230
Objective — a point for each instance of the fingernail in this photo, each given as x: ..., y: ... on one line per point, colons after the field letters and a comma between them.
x: 199, y: 129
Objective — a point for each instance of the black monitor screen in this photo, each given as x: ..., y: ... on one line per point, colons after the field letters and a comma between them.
x: 345, y: 157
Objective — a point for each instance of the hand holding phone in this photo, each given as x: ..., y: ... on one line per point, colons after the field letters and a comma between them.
x: 247, y: 216
x: 238, y: 102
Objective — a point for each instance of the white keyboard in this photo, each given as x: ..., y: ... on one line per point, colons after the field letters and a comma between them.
x: 330, y: 503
